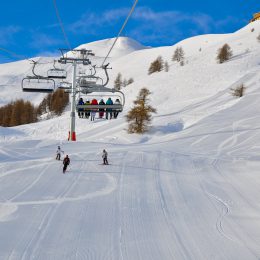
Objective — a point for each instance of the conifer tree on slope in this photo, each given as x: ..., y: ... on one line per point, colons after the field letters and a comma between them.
x: 118, y: 82
x: 224, y: 53
x: 139, y: 117
x: 156, y: 66
x: 178, y: 55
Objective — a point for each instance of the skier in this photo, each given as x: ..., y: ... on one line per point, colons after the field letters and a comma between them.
x: 66, y: 162
x: 59, y: 151
x: 104, y: 156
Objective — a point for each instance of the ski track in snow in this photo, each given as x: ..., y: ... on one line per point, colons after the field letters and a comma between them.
x: 111, y: 185
x: 34, y: 244
x: 166, y: 214
x: 156, y: 171
x: 107, y: 190
x: 225, y: 211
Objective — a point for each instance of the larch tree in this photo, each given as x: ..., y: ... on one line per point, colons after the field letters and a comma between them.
x: 178, y: 55
x: 118, y: 82
x: 140, y: 116
x: 224, y: 53
x: 156, y: 66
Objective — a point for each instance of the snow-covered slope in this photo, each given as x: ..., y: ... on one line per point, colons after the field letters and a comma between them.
x: 188, y: 189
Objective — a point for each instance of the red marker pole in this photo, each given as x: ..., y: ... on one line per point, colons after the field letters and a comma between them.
x: 73, y: 104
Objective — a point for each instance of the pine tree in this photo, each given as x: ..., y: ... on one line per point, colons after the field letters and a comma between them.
x: 118, y: 82
x: 139, y: 117
x: 178, y: 55
x: 224, y: 53
x: 156, y: 66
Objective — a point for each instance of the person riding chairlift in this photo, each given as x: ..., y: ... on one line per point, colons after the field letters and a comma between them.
x: 80, y: 110
x: 109, y: 110
x: 101, y: 110
x: 87, y: 113
x: 117, y: 102
x: 93, y: 111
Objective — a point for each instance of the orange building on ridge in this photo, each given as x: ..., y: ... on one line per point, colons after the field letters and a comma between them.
x: 255, y: 17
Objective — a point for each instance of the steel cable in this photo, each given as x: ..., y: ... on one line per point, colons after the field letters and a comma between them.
x: 122, y: 28
x: 61, y: 24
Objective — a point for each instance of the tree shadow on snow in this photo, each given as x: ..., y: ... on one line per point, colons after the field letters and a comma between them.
x: 169, y: 128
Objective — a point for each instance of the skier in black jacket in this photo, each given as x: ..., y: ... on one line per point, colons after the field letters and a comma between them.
x: 66, y: 162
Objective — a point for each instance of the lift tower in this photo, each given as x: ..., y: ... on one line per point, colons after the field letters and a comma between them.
x: 75, y: 57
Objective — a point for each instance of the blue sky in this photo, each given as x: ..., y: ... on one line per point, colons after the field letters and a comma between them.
x: 30, y: 28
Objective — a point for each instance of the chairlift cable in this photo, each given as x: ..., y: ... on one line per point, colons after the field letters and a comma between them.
x: 22, y: 56
x: 14, y: 54
x: 122, y: 28
x: 61, y: 24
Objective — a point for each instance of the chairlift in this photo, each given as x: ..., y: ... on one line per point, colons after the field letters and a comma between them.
x: 37, y: 83
x: 113, y: 94
x: 88, y: 81
x: 102, y: 91
x: 65, y: 85
x: 56, y: 73
x: 42, y: 85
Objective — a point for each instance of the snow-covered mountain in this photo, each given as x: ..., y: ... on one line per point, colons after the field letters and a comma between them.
x: 124, y: 46
x: 11, y: 74
x: 188, y: 189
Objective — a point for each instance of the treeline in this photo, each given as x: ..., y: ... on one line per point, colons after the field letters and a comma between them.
x: 18, y: 112
x: 54, y: 103
x: 21, y: 112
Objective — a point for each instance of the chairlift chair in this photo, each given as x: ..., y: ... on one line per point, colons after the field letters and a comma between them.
x: 56, y: 73
x: 65, y: 85
x: 41, y: 85
x: 37, y: 83
x: 88, y: 81
x: 100, y: 94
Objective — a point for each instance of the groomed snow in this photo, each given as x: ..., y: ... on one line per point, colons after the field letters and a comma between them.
x: 188, y: 189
